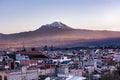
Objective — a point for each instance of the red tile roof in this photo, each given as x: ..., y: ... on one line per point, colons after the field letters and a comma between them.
x: 30, y: 53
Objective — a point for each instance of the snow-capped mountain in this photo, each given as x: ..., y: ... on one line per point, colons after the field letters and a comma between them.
x: 59, y: 34
x: 56, y: 24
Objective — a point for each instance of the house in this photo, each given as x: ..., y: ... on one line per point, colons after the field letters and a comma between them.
x: 23, y: 74
x: 61, y: 59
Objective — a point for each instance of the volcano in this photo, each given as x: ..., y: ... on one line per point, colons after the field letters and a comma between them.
x: 61, y: 35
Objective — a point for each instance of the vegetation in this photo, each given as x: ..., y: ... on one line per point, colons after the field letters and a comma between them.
x: 115, y: 75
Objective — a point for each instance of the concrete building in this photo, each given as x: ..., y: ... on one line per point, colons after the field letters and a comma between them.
x: 24, y: 74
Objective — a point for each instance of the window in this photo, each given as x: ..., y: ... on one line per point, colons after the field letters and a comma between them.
x: 5, y: 77
x: 0, y: 77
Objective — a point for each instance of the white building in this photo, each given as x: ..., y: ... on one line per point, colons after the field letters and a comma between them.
x: 23, y: 74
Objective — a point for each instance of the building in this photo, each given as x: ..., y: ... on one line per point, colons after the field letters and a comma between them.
x: 23, y: 74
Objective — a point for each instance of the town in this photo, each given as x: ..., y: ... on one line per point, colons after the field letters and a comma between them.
x: 60, y: 64
x: 59, y: 39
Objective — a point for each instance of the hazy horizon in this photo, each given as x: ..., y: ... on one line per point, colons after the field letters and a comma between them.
x: 28, y: 15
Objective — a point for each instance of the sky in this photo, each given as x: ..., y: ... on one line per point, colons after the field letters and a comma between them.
x: 27, y: 15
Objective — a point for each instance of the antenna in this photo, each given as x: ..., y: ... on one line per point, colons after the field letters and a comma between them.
x: 23, y: 44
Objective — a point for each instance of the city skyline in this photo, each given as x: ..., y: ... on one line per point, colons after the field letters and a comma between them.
x: 27, y: 15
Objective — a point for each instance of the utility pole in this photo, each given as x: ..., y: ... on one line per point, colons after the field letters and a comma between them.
x: 23, y: 44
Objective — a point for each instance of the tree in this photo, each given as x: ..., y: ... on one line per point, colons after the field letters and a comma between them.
x: 51, y: 48
x: 33, y: 49
x: 74, y: 53
x: 45, y: 48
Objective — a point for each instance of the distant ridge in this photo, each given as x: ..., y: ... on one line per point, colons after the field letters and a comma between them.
x: 59, y: 34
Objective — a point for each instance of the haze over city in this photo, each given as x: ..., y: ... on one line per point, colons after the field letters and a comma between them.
x: 59, y: 40
x: 24, y: 15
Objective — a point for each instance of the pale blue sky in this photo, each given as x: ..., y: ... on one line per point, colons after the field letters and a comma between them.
x: 25, y: 15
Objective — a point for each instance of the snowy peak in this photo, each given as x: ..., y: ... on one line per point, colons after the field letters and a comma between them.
x: 56, y: 25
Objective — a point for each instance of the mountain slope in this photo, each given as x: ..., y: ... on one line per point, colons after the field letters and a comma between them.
x: 58, y: 34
